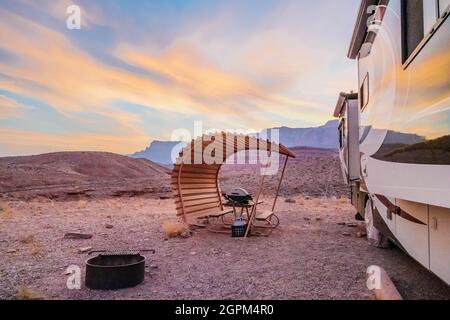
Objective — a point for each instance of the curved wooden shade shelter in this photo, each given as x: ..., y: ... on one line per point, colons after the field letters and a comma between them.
x: 195, y: 177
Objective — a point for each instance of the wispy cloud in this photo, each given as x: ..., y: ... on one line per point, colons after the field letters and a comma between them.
x: 10, y: 108
x: 266, y: 75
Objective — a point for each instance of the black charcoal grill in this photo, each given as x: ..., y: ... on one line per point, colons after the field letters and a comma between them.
x: 238, y: 196
x: 111, y: 270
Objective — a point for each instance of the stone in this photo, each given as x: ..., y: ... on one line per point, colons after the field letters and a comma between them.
x: 84, y: 249
x: 185, y: 234
x: 109, y: 226
x: 361, y: 234
x: 11, y: 251
x: 75, y: 236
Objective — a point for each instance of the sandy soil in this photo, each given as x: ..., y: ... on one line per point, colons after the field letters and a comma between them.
x: 311, y: 255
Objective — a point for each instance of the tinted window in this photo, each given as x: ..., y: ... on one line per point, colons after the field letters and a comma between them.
x: 364, y: 93
x: 413, y: 22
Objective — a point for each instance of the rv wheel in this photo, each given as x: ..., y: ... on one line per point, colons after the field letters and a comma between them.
x: 375, y: 237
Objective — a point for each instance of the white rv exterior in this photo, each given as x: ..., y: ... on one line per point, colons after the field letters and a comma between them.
x: 402, y: 48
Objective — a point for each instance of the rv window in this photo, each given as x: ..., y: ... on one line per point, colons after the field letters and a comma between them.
x: 413, y: 25
x: 419, y: 18
x: 364, y: 93
x: 341, y: 133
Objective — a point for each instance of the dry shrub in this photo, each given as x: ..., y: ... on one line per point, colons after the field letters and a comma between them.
x: 25, y: 293
x: 5, y: 209
x: 27, y: 240
x: 115, y: 204
x: 37, y: 249
x: 174, y: 229
x: 82, y: 204
x: 343, y: 199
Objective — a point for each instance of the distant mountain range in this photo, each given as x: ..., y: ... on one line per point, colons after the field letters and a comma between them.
x: 160, y: 151
x: 323, y: 137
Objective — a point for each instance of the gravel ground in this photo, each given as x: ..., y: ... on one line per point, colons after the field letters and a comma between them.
x: 314, y: 173
x: 311, y: 255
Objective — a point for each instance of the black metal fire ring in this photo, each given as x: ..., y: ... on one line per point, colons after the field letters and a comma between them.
x: 115, y: 270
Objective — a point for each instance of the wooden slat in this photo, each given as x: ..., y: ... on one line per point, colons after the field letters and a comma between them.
x: 264, y: 215
x: 204, y: 212
x: 187, y: 169
x: 195, y: 175
x: 197, y: 197
x: 193, y: 180
x: 197, y: 186
x: 197, y: 191
x: 199, y: 166
x: 187, y: 186
x: 199, y: 207
x: 198, y: 202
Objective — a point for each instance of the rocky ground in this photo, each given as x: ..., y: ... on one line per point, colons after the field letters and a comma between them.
x: 314, y: 172
x: 124, y: 204
x: 313, y: 255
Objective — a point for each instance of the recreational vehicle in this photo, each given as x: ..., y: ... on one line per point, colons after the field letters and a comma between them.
x: 395, y: 132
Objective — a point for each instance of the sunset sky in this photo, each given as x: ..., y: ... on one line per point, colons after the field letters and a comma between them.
x: 137, y: 70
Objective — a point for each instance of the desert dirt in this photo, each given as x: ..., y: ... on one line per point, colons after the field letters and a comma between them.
x: 312, y: 255
x: 125, y: 204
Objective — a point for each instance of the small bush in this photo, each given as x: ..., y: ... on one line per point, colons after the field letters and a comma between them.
x: 27, y: 240
x: 25, y: 293
x: 36, y: 249
x: 343, y: 199
x: 82, y: 204
x: 174, y: 229
x: 5, y: 209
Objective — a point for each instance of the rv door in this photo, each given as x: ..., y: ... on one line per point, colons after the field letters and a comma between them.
x: 343, y: 153
x: 353, y: 157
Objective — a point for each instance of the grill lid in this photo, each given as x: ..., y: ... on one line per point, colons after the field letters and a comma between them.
x: 239, y: 195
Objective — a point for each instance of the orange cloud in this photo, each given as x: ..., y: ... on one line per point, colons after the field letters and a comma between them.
x: 16, y: 141
x: 10, y: 108
x: 52, y: 69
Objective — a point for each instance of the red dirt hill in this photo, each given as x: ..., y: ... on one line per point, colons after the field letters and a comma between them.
x: 81, y: 171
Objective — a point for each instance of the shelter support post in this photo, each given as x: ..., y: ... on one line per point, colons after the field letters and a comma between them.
x: 279, y: 183
x: 253, y: 212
